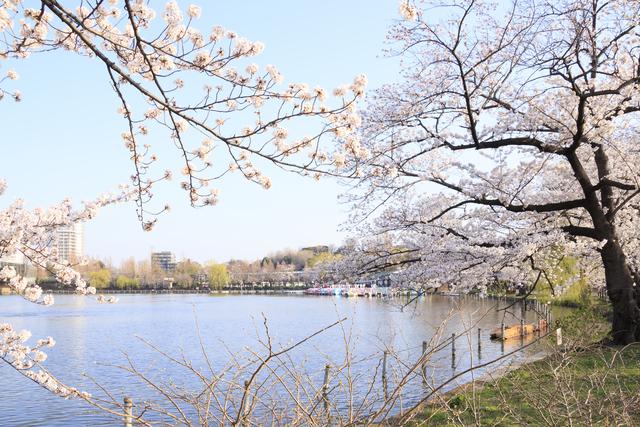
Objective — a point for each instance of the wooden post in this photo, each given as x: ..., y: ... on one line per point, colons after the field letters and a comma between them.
x: 559, y: 336
x: 479, y: 343
x: 453, y: 350
x: 521, y: 327
x: 384, y: 374
x: 325, y: 387
x: 384, y: 366
x: 128, y: 412
x: 424, y: 362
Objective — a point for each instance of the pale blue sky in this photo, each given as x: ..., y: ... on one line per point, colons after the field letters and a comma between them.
x: 63, y: 139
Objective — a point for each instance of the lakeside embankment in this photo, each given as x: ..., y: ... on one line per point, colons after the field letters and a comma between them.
x: 597, y: 385
x: 283, y: 291
x: 246, y: 291
x: 581, y: 382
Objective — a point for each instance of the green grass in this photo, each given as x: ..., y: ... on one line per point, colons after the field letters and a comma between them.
x: 580, y: 384
x: 594, y: 382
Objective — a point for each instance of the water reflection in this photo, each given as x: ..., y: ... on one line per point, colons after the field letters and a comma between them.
x: 91, y: 337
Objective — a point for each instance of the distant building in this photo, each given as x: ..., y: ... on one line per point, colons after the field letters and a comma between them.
x: 201, y: 279
x: 70, y: 242
x: 21, y: 265
x: 165, y: 260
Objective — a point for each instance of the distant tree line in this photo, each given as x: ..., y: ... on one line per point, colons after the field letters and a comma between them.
x: 189, y: 274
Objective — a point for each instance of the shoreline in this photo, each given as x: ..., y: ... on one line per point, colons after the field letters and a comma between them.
x: 479, y: 382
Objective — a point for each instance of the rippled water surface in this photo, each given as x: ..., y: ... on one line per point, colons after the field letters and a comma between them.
x: 93, y: 337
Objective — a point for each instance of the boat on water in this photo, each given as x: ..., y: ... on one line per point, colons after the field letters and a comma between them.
x: 345, y: 290
x: 517, y: 331
x: 323, y: 290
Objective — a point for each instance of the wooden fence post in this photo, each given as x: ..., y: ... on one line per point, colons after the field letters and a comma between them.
x: 325, y: 387
x: 384, y: 366
x: 128, y: 412
x: 453, y: 350
x: 424, y: 362
x: 384, y: 374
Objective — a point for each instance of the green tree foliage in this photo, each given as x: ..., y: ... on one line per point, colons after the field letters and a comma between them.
x: 186, y: 272
x: 218, y: 276
x: 563, y: 279
x: 124, y: 282
x: 321, y: 258
x: 99, y: 279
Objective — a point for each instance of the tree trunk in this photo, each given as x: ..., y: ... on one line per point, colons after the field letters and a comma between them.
x: 622, y: 294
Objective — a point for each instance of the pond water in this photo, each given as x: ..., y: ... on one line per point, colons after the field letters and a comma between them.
x: 92, y: 338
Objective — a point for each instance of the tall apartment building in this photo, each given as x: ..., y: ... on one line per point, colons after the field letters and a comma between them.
x: 70, y: 242
x: 165, y: 260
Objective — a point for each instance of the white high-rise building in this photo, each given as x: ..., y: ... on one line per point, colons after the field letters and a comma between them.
x: 70, y: 242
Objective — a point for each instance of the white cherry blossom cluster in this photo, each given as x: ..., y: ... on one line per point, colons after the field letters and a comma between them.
x: 501, y: 146
x: 31, y: 233
x: 26, y: 358
x: 159, y: 57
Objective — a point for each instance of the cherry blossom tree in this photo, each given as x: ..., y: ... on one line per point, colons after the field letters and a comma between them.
x: 513, y: 134
x: 154, y: 59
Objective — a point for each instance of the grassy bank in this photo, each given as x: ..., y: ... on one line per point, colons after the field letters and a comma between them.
x: 598, y: 385
x: 580, y: 383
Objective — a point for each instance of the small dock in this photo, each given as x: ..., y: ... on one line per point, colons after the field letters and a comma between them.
x: 518, y: 331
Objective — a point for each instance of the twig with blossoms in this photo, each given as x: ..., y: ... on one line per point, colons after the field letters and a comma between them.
x: 513, y: 133
x: 155, y: 63
x: 31, y: 234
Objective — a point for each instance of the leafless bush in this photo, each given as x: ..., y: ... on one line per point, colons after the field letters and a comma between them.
x: 270, y: 385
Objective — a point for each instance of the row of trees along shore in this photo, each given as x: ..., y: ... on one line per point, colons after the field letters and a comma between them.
x: 189, y: 274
